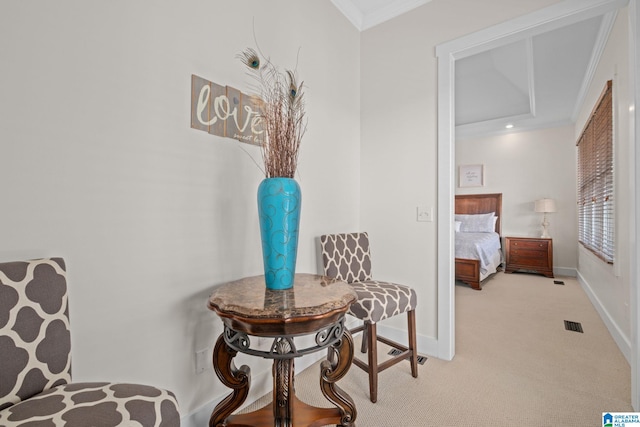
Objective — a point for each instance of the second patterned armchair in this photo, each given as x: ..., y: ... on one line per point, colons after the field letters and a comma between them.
x: 347, y: 257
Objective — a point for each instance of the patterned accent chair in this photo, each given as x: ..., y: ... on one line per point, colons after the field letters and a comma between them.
x: 347, y: 257
x: 35, y: 372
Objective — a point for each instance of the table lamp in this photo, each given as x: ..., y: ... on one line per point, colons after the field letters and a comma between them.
x: 545, y: 206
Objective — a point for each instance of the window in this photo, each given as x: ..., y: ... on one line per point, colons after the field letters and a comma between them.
x: 595, y: 180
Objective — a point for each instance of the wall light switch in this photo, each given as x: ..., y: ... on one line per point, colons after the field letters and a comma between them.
x: 425, y: 213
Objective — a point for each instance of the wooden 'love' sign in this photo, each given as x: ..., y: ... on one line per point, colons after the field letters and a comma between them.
x: 225, y: 111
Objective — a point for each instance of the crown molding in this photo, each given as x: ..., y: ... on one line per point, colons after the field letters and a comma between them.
x: 377, y: 16
x: 603, y: 36
x: 348, y: 9
x: 550, y: 18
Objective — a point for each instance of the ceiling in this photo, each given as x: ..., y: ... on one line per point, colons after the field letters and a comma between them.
x: 365, y: 14
x: 536, y: 82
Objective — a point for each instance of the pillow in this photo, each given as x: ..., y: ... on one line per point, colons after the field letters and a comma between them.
x: 478, y: 223
x: 463, y: 217
x: 458, y: 224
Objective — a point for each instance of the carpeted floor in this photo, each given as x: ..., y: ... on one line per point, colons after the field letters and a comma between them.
x: 515, y: 364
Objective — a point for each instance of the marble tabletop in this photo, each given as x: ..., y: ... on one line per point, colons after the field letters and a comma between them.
x: 315, y: 305
x: 311, y: 295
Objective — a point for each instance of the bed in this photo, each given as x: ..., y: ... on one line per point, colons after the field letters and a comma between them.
x: 478, y: 255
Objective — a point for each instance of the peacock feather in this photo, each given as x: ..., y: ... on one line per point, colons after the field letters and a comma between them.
x: 281, y: 112
x: 250, y: 58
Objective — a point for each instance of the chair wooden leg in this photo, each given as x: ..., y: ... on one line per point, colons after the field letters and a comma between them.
x: 411, y: 318
x: 373, y: 361
x: 363, y: 345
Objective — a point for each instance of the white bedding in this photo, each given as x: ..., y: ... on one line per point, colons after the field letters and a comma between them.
x: 481, y: 246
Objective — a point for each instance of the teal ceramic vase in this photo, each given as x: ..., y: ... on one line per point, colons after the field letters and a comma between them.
x: 279, y: 202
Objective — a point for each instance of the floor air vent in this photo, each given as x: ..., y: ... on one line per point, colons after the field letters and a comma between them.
x: 395, y: 352
x: 558, y: 282
x: 573, y: 326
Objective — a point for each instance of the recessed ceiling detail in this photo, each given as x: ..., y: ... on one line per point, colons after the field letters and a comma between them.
x: 494, y: 84
x: 536, y: 82
x: 533, y: 83
x: 365, y: 14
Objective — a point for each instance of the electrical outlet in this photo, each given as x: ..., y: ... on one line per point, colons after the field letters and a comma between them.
x: 202, y: 360
x: 425, y: 214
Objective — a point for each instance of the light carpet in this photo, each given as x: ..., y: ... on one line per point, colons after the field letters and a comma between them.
x: 515, y: 365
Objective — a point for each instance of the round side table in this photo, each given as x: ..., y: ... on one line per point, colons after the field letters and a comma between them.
x: 316, y: 305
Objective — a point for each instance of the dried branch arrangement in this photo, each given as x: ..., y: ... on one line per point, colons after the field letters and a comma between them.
x: 282, y: 113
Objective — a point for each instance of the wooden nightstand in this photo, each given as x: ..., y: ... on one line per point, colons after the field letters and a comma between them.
x: 529, y: 254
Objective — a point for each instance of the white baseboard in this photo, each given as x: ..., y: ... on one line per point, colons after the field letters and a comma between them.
x: 565, y: 271
x: 618, y: 336
x: 427, y: 346
x: 200, y: 417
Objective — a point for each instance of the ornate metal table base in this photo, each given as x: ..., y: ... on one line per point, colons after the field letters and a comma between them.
x: 286, y: 410
x: 316, y: 305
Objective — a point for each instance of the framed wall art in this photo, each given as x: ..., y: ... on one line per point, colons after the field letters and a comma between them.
x: 471, y: 176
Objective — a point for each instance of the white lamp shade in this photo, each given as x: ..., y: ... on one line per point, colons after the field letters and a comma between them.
x: 545, y: 205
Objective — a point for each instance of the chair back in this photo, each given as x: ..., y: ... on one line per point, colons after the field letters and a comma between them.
x: 35, y: 342
x: 346, y: 256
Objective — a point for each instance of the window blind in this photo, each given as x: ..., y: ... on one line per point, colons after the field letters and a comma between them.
x: 595, y: 180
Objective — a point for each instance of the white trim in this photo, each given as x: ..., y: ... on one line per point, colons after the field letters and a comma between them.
x: 446, y: 191
x: 565, y: 271
x: 390, y: 11
x: 492, y: 126
x: 555, y: 16
x: 348, y: 9
x: 427, y: 346
x: 623, y: 342
x: 601, y: 41
x: 484, y: 129
x: 363, y: 21
x: 634, y: 120
x: 261, y: 384
x: 531, y: 76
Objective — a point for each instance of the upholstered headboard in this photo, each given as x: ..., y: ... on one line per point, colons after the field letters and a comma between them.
x: 481, y: 203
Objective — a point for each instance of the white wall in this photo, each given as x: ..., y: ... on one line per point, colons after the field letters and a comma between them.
x: 609, y: 285
x: 524, y: 167
x: 399, y: 125
x: 99, y: 165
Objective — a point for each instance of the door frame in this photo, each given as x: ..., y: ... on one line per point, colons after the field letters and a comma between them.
x: 555, y: 16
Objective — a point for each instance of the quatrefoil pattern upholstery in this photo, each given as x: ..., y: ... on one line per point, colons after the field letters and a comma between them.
x: 347, y: 257
x: 94, y: 404
x: 35, y: 355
